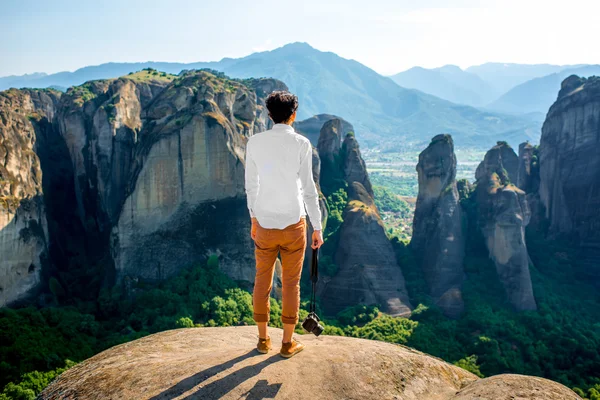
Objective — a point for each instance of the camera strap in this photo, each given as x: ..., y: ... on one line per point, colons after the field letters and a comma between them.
x: 314, y: 278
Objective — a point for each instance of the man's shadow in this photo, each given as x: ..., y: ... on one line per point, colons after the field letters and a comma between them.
x: 220, y: 387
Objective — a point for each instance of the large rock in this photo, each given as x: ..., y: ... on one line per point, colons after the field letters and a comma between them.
x: 311, y: 127
x: 368, y: 272
x: 159, y: 166
x: 221, y: 363
x: 438, y: 237
x: 570, y: 166
x: 503, y: 214
x: 355, y: 169
x: 23, y: 223
x: 330, y: 140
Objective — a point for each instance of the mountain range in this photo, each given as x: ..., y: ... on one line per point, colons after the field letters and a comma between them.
x: 517, y: 89
x: 326, y: 83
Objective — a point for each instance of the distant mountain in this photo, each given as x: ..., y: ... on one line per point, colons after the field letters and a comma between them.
x: 537, y: 95
x: 448, y: 82
x: 504, y: 76
x: 327, y: 83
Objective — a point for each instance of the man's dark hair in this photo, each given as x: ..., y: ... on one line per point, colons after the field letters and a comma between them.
x: 281, y: 105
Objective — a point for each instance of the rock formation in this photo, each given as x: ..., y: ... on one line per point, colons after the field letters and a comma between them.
x: 368, y: 272
x: 569, y: 159
x: 211, y: 363
x: 311, y: 127
x: 355, y: 169
x: 23, y: 226
x: 152, y: 177
x: 330, y: 140
x: 503, y: 214
x: 438, y: 237
x: 527, y: 180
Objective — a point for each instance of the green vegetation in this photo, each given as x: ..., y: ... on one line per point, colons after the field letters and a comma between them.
x: 150, y: 74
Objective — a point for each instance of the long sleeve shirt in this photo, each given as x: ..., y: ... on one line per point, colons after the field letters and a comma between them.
x: 279, y: 183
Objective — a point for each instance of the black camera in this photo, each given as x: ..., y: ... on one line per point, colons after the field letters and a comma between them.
x: 311, y: 324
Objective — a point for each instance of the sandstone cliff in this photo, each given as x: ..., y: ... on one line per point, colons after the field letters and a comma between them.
x: 159, y: 164
x: 569, y: 159
x: 503, y: 214
x: 145, y: 174
x: 23, y: 224
x: 438, y: 237
x: 311, y: 127
x: 213, y: 363
x: 368, y: 272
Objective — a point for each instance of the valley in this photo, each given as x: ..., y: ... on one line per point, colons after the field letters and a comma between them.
x: 123, y: 210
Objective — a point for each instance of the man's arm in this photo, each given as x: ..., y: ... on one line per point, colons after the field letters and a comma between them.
x: 251, y: 181
x: 309, y: 189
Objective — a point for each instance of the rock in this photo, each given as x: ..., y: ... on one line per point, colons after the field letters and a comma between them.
x: 503, y: 161
x: 146, y: 175
x: 527, y: 179
x: 569, y: 159
x: 211, y: 363
x: 510, y: 387
x: 311, y: 127
x: 330, y: 140
x: 355, y: 169
x: 368, y: 271
x: 23, y: 222
x: 503, y: 214
x: 438, y: 237
x: 162, y: 174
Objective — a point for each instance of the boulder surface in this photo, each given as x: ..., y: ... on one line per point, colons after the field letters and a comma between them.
x: 213, y: 363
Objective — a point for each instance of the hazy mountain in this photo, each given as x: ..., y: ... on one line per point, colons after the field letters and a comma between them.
x: 504, y: 76
x: 327, y: 83
x: 448, y: 82
x: 537, y: 95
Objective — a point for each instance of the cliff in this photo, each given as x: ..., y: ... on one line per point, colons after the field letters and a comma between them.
x: 503, y: 214
x: 368, y: 272
x: 145, y: 174
x: 438, y: 237
x: 23, y: 226
x: 569, y: 159
x: 211, y: 363
x: 311, y: 127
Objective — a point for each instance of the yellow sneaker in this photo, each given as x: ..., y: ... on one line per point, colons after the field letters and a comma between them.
x: 290, y: 349
x: 264, y: 345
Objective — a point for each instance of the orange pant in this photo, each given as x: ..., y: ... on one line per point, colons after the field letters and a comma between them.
x: 291, y: 243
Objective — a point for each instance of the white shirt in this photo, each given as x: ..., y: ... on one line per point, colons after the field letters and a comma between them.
x: 279, y: 180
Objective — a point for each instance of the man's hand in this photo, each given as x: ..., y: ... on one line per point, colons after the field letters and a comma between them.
x: 317, y: 239
x: 253, y: 229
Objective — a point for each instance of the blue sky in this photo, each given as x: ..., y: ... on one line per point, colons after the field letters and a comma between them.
x: 386, y: 35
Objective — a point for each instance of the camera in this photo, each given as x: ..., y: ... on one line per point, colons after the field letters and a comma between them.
x: 311, y: 324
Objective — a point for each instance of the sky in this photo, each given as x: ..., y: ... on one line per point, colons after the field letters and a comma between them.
x: 388, y: 36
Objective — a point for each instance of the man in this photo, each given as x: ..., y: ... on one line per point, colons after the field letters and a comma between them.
x: 280, y: 190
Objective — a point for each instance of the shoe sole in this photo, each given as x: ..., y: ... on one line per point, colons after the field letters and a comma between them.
x: 263, y: 351
x: 291, y: 355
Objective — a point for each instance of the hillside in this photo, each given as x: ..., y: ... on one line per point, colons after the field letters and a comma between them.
x: 537, y: 95
x: 213, y: 363
x: 327, y: 83
x: 448, y: 82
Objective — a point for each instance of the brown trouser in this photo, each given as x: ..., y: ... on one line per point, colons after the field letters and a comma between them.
x: 291, y: 243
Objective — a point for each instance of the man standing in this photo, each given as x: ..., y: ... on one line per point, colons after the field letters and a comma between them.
x: 280, y: 191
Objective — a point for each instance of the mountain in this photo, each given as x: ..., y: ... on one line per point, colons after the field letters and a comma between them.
x: 504, y: 76
x: 537, y: 95
x: 327, y: 83
x: 448, y: 82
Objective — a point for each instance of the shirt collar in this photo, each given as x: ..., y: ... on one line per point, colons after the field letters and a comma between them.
x: 282, y: 127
